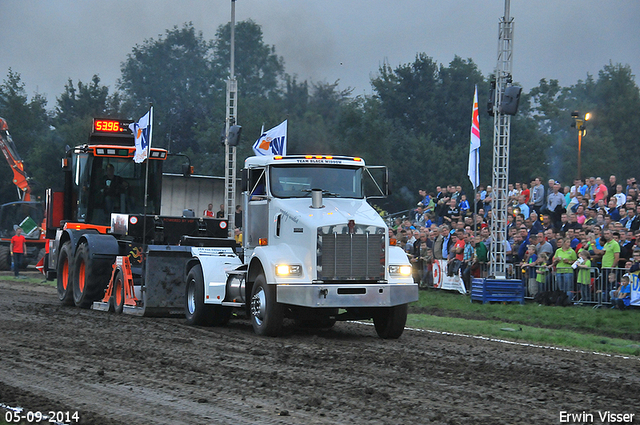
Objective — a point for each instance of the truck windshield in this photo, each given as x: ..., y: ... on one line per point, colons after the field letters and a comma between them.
x: 294, y: 181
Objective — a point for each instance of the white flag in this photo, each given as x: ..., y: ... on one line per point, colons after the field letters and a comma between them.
x: 142, y: 132
x: 272, y: 142
x: 474, y: 147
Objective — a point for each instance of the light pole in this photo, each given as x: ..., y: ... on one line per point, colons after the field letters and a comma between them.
x: 579, y: 124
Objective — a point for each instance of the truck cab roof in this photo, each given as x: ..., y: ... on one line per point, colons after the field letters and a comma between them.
x: 261, y: 161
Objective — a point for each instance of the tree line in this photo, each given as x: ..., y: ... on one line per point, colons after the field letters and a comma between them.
x: 417, y: 120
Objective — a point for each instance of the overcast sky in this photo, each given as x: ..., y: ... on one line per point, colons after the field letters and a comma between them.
x: 49, y: 41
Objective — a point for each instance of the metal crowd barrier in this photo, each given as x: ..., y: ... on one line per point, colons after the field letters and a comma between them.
x: 596, y: 293
x: 544, y: 279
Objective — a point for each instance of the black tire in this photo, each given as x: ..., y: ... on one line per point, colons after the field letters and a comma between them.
x: 90, y: 278
x: 195, y: 310
x: 266, y: 313
x: 5, y: 257
x: 389, y: 321
x: 64, y: 274
x: 117, y: 296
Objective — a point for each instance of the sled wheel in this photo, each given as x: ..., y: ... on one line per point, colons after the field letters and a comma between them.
x: 118, y: 292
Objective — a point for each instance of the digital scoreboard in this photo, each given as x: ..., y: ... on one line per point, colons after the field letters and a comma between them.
x: 111, y: 131
x: 111, y: 126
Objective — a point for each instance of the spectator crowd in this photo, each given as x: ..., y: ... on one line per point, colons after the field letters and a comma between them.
x: 566, y: 232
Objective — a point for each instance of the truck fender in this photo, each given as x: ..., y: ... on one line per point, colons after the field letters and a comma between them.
x: 100, y: 246
x: 265, y: 259
x: 215, y: 263
x: 62, y: 236
x: 397, y: 256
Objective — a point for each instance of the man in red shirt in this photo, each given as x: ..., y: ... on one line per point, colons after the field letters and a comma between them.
x: 457, y: 253
x: 18, y: 247
x: 209, y: 211
x: 601, y: 191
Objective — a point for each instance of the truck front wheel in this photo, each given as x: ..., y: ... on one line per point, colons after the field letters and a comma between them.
x: 389, y: 321
x: 266, y: 314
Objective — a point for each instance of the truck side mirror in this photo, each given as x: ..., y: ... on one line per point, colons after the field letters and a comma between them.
x: 376, y: 182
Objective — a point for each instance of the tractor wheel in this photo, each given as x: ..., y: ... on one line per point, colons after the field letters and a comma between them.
x: 5, y: 258
x: 389, y: 321
x: 266, y: 314
x: 65, y: 266
x: 90, y: 278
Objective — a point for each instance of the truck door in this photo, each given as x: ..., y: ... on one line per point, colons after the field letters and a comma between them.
x: 257, y: 208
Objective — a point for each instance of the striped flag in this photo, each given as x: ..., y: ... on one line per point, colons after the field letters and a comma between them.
x: 474, y: 146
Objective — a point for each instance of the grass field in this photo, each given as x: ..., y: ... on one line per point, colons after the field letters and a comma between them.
x: 602, y: 330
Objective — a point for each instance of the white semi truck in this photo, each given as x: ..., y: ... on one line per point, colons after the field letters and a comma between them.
x: 313, y: 250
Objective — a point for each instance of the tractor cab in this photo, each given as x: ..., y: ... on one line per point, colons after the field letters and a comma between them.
x: 102, y: 178
x: 105, y: 180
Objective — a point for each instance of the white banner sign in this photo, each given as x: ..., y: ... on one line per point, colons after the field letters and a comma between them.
x: 442, y: 281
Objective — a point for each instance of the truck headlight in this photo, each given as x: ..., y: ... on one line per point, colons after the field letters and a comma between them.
x: 402, y: 270
x: 284, y: 270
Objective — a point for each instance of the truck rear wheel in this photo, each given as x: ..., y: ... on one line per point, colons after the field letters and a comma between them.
x: 65, y: 266
x: 266, y: 314
x: 196, y: 311
x: 389, y: 321
x: 89, y: 279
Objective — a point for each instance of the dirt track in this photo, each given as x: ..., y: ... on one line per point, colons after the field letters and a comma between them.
x: 131, y: 370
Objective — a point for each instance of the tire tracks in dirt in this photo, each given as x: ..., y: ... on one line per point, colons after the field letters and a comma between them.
x: 126, y: 369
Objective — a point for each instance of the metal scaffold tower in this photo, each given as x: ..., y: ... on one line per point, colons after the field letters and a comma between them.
x: 231, y: 119
x: 501, y: 137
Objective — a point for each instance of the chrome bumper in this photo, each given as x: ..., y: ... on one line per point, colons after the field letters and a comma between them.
x: 347, y: 295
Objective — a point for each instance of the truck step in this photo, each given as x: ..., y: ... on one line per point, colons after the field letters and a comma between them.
x: 232, y: 304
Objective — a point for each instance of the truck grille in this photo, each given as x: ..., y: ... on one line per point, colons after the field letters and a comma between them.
x: 357, y: 256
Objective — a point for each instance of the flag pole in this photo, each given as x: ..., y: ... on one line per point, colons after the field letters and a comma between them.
x: 146, y: 181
